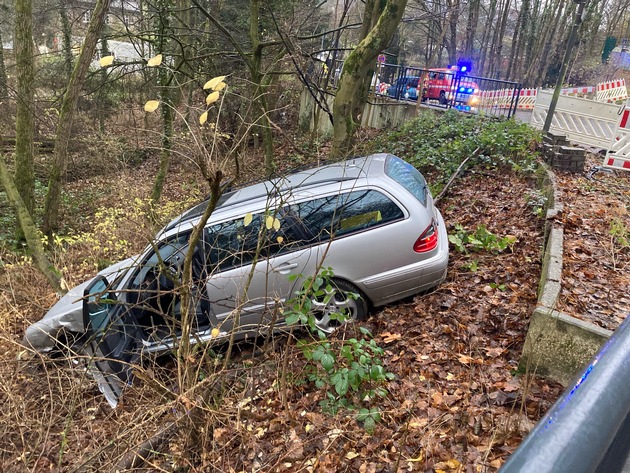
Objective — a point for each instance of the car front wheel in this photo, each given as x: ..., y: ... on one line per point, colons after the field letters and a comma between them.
x: 342, y: 304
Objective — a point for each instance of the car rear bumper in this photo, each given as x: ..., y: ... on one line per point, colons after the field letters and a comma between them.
x: 414, y: 278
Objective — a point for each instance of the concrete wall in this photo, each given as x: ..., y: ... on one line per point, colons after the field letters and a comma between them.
x: 557, y: 345
x: 380, y: 112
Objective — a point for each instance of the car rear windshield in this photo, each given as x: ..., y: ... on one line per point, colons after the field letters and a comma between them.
x: 407, y: 176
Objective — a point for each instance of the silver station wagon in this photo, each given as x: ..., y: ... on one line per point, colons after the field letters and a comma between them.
x: 370, y: 219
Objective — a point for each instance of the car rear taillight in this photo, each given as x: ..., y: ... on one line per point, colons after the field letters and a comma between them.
x: 428, y: 240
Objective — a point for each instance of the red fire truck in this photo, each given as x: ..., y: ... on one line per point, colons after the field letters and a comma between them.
x: 446, y: 84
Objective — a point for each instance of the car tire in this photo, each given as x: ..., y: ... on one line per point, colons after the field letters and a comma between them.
x: 442, y: 98
x: 356, y: 307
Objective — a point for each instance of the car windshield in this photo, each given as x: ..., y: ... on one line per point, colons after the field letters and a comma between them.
x: 408, y: 177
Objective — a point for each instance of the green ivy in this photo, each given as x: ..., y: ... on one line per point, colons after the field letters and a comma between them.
x: 437, y: 143
x: 350, y: 370
x: 480, y: 240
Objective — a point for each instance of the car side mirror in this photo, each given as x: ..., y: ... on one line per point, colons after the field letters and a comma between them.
x: 96, y: 304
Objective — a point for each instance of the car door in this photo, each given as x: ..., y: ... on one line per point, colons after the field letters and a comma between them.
x: 246, y: 290
x: 153, y: 296
x: 113, y: 339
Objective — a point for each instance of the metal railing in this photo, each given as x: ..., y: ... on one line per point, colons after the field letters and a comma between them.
x: 496, y: 98
x: 492, y: 98
x: 588, y: 428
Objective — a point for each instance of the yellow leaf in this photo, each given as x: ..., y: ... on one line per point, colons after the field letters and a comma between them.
x: 279, y: 240
x: 351, y: 455
x: 212, y: 83
x: 453, y: 464
x: 155, y: 61
x: 220, y: 86
x: 151, y: 105
x: 214, y: 333
x: 391, y: 337
x: 308, y: 428
x: 276, y: 224
x: 450, y: 376
x: 465, y: 359
x: 106, y: 61
x: 203, y: 118
x: 213, y: 97
x: 248, y: 218
x: 269, y: 222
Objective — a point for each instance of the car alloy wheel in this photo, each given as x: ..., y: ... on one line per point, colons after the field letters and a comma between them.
x: 344, y: 303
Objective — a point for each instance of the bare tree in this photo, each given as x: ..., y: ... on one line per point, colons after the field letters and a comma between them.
x: 66, y: 115
x: 24, y: 132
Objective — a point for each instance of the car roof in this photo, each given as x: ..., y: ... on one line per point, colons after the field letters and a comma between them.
x: 309, y: 179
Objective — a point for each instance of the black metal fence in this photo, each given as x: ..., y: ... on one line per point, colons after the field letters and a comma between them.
x: 588, y: 428
x: 444, y: 88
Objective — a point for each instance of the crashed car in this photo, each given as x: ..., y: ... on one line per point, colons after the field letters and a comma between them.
x: 370, y: 219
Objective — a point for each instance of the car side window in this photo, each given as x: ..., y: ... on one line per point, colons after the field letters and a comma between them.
x: 170, y: 252
x: 347, y: 213
x: 233, y: 243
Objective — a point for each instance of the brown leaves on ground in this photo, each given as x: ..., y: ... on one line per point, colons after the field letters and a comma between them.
x: 596, y: 264
x: 455, y: 405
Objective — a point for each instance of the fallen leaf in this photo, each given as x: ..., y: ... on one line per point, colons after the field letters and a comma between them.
x: 391, y: 337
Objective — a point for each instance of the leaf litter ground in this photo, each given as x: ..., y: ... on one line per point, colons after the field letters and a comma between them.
x: 596, y: 263
x: 456, y: 404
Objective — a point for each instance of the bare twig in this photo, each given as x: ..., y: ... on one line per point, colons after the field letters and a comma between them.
x: 455, y: 174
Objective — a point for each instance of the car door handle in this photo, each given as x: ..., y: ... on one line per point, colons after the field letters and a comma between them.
x: 285, y: 268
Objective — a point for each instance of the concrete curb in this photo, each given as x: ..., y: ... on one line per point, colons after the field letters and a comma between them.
x: 557, y: 345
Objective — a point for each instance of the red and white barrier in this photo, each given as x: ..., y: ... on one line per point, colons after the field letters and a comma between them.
x: 504, y: 98
x: 617, y: 163
x: 578, y: 90
x: 608, y: 92
x: 618, y: 156
x: 612, y: 91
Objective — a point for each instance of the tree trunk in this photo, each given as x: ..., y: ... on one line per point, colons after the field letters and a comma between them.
x: 485, y: 39
x: 518, y: 41
x: 23, y: 43
x: 4, y: 87
x: 31, y: 234
x: 471, y: 29
x: 167, y: 136
x: 258, y: 96
x: 498, y: 60
x: 557, y: 34
x: 357, y: 72
x: 163, y: 29
x: 454, y: 6
x: 66, y: 43
x: 66, y: 116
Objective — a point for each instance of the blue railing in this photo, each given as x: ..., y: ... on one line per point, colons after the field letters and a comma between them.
x: 588, y: 428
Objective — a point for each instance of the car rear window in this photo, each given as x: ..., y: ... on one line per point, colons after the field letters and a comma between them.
x: 407, y: 176
x: 346, y: 213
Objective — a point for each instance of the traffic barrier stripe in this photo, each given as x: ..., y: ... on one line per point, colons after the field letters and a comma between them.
x: 618, y: 163
x: 612, y: 91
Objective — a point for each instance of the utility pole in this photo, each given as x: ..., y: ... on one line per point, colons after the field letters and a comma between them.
x: 565, y: 64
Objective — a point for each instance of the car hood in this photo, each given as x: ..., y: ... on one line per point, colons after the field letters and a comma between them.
x: 67, y: 313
